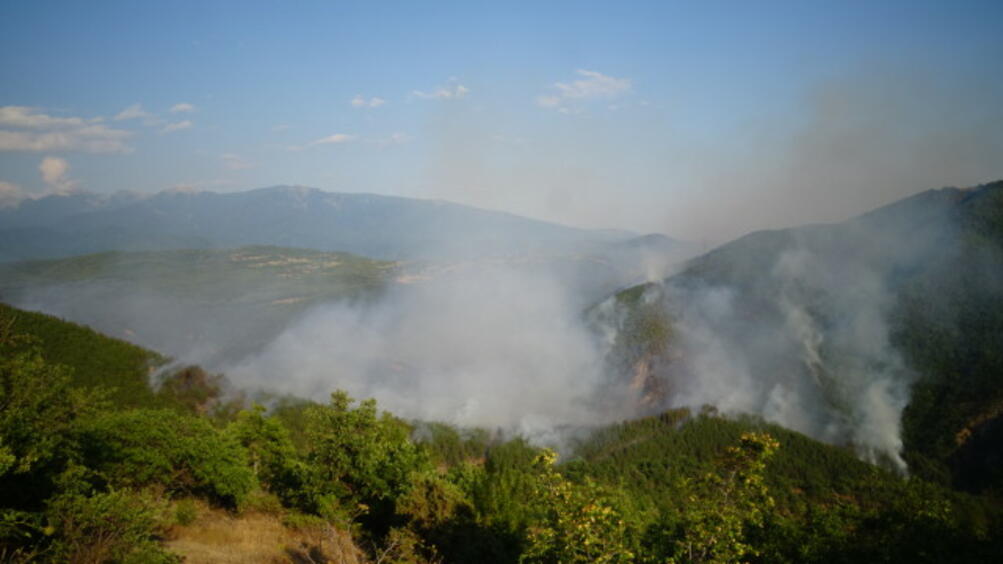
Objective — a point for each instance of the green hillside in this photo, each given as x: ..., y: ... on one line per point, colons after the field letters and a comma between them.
x: 249, y: 275
x: 96, y: 360
x: 87, y: 479
x: 224, y: 303
x: 938, y: 257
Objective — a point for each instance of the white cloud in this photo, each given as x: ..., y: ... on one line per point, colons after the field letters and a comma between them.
x: 452, y: 90
x: 177, y: 126
x: 94, y: 139
x: 134, y: 111
x: 336, y: 139
x: 591, y: 85
x: 360, y: 102
x: 234, y: 161
x: 10, y: 194
x: 595, y: 84
x: 54, y: 172
x: 28, y: 129
x: 183, y: 107
x: 28, y: 118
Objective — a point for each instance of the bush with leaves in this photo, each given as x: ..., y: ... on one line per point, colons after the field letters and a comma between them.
x: 710, y: 525
x: 161, y: 448
x: 580, y: 524
x: 271, y: 453
x: 38, y: 410
x: 116, y: 526
x: 359, y: 457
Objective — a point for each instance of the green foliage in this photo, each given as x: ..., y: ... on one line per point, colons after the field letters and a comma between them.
x: 273, y: 458
x: 360, y: 454
x: 181, y: 453
x: 75, y: 477
x: 186, y: 511
x: 449, y: 446
x: 96, y: 360
x: 38, y: 410
x: 441, y: 516
x: 117, y: 526
x: 953, y: 421
x: 23, y: 535
x: 580, y: 522
x: 504, y: 493
x: 303, y: 521
x: 404, y: 546
x: 291, y: 412
x: 719, y: 506
x: 432, y: 501
x: 192, y: 389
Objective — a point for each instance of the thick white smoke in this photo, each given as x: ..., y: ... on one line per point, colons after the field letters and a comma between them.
x: 801, y: 340
x: 496, y: 347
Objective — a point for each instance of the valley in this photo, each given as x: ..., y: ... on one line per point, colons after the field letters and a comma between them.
x: 866, y: 349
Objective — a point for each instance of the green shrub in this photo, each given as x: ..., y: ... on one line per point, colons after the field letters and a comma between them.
x: 359, y: 462
x: 368, y: 454
x: 271, y: 453
x: 186, y: 511
x: 38, y: 409
x: 303, y: 521
x: 179, y: 453
x: 260, y: 501
x: 119, y: 526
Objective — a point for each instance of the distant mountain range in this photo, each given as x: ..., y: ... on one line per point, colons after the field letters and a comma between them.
x: 380, y: 227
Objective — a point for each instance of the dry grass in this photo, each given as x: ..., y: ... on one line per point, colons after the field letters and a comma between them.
x: 218, y: 537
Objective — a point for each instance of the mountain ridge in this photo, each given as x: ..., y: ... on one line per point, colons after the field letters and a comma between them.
x: 373, y: 225
x: 900, y: 308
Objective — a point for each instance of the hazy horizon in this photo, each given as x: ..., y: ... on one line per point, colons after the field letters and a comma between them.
x: 703, y: 122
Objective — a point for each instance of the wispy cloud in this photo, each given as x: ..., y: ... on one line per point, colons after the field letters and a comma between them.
x: 234, y: 161
x: 361, y: 102
x: 182, y: 108
x: 30, y: 118
x: 134, y: 111
x: 591, y: 85
x: 55, y: 173
x: 29, y: 129
x: 452, y: 90
x: 10, y: 194
x: 335, y: 139
x: 177, y: 126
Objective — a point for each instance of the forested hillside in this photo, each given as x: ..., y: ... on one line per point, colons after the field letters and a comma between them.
x: 881, y: 333
x: 90, y: 474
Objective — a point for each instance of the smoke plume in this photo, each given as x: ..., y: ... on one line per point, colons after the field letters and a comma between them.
x: 496, y: 347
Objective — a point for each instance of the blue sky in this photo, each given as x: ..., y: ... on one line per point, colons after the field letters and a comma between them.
x: 700, y: 120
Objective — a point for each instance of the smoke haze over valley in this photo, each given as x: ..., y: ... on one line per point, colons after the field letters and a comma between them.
x: 576, y: 282
x: 796, y: 326
x: 611, y: 213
